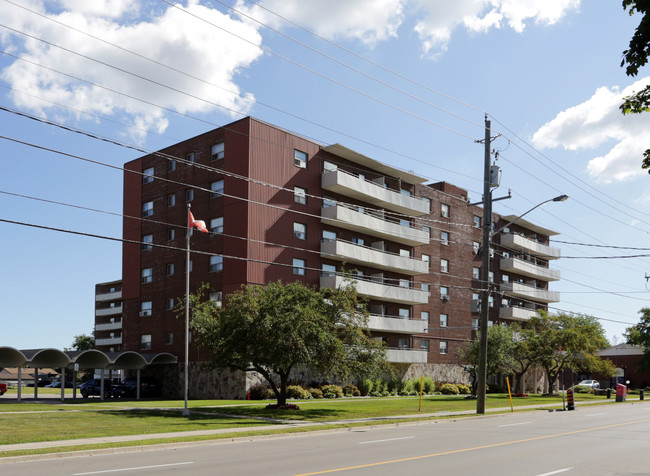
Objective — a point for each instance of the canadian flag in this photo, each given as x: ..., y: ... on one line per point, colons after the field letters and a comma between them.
x: 199, y: 224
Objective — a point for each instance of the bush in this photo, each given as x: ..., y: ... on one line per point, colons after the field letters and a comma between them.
x: 316, y: 393
x: 582, y: 389
x: 408, y: 388
x: 380, y: 386
x: 463, y: 389
x: 395, y: 386
x: 259, y: 392
x: 428, y: 385
x: 297, y: 392
x: 351, y: 391
x: 494, y: 388
x: 449, y: 389
x: 365, y: 386
x: 332, y: 391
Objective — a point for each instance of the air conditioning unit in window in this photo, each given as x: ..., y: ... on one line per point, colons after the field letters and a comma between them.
x: 145, y: 313
x: 444, y: 298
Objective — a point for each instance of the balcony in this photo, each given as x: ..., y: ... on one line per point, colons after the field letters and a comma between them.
x: 528, y: 269
x: 379, y: 291
x: 114, y: 296
x: 350, y: 219
x: 516, y: 313
x: 109, y: 341
x: 350, y: 185
x: 522, y: 244
x: 109, y: 326
x: 396, y: 324
x: 530, y: 293
x: 406, y: 356
x: 108, y: 311
x: 357, y: 254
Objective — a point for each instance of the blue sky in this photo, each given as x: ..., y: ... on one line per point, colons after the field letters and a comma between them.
x: 547, y: 72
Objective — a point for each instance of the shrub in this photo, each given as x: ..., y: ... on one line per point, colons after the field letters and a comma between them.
x: 316, y: 393
x: 286, y: 406
x: 449, y: 389
x: 365, y: 386
x: 380, y: 386
x: 351, y: 390
x: 297, y: 392
x: 494, y: 388
x: 582, y: 389
x: 395, y: 386
x: 463, y: 389
x: 259, y: 392
x: 332, y: 391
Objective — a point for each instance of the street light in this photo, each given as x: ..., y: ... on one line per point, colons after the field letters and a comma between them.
x: 485, y: 272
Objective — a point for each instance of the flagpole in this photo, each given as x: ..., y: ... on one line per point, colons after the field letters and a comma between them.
x: 186, y: 412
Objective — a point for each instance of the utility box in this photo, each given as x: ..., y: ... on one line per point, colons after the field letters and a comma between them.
x: 621, y: 392
x: 495, y: 176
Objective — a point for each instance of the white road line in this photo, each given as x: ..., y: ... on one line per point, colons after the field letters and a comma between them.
x: 516, y: 424
x: 596, y: 414
x: 556, y: 472
x: 133, y: 469
x: 382, y: 441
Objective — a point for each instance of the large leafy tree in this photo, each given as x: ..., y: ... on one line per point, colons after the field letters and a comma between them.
x: 634, y: 58
x: 639, y: 334
x: 499, y: 354
x: 522, y: 354
x: 566, y: 341
x: 83, y: 342
x: 276, y: 328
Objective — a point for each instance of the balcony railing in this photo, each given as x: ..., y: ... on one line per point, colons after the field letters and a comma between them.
x: 406, y: 356
x: 396, y: 324
x: 353, y: 186
x: 530, y: 293
x: 108, y: 311
x: 109, y: 326
x: 109, y: 341
x: 364, y: 222
x: 528, y: 269
x: 378, y: 290
x: 357, y: 254
x: 516, y: 313
x: 518, y: 242
x: 109, y: 296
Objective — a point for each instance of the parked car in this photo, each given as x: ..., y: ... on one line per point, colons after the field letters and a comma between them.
x: 58, y: 384
x: 3, y: 388
x: 590, y: 383
x: 93, y: 387
x: 149, y: 387
x: 42, y: 382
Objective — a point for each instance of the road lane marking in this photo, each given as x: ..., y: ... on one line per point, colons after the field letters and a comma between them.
x: 556, y: 472
x: 465, y: 450
x: 390, y: 439
x: 133, y: 469
x: 516, y: 424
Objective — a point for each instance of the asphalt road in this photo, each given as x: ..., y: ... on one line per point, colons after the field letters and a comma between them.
x: 597, y: 440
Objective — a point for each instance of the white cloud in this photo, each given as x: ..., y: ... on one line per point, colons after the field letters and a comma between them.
x: 370, y: 21
x: 442, y: 17
x: 171, y: 37
x: 598, y: 121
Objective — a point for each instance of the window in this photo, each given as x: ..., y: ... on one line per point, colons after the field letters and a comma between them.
x: 443, y: 347
x: 505, y: 278
x: 403, y: 343
x: 404, y: 283
x: 146, y: 242
x: 491, y: 301
x: 476, y: 296
x: 475, y: 323
x: 426, y: 259
x: 147, y: 175
x: 425, y: 287
x: 491, y: 277
x: 404, y: 222
x: 444, y: 318
x: 217, y: 188
x: 300, y: 159
x: 444, y: 293
x: 190, y: 157
x: 300, y: 195
x: 299, y: 267
x: 329, y: 166
x: 444, y: 238
x: 404, y: 313
x: 170, y: 269
x: 405, y: 192
x: 477, y: 221
x: 476, y: 247
x: 216, y: 225
x: 189, y: 194
x: 476, y: 273
x: 171, y: 234
x: 329, y: 270
x: 427, y: 230
x: 444, y: 210
x: 145, y: 342
x: 147, y: 209
x: 358, y: 241
x: 169, y: 338
x: 444, y: 265
x: 424, y: 345
x: 329, y: 235
x: 216, y: 264
x: 424, y: 315
x: 299, y: 231
x: 217, y: 151
x: 171, y: 165
x: 171, y: 200
x: 170, y: 304
x: 145, y: 308
x: 146, y: 275
x: 427, y: 200
x: 405, y: 253
x: 217, y: 296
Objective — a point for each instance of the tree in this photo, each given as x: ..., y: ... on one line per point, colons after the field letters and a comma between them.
x: 639, y: 334
x: 82, y: 342
x: 522, y: 355
x: 276, y: 328
x: 567, y: 341
x: 499, y: 357
x: 634, y: 58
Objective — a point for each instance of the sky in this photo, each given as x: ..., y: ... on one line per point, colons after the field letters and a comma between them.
x: 406, y: 82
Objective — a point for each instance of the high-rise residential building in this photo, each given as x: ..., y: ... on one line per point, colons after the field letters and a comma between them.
x: 108, y: 316
x: 279, y: 206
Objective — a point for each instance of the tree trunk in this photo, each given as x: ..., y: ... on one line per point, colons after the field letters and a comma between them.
x: 552, y: 377
x: 282, y: 397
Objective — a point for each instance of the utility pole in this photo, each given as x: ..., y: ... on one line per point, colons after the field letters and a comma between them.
x: 485, y: 273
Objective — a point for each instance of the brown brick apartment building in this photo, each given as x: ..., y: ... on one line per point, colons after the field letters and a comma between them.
x: 280, y: 206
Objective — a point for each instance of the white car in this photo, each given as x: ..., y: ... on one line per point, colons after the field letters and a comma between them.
x: 590, y: 383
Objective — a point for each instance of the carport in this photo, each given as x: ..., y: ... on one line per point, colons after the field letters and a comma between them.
x: 79, y: 359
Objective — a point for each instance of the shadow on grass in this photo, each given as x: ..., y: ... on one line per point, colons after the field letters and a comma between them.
x: 304, y: 414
